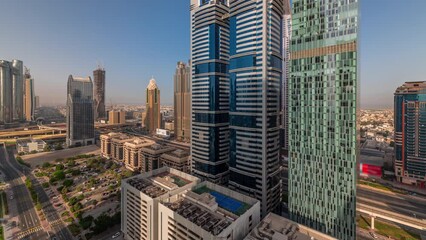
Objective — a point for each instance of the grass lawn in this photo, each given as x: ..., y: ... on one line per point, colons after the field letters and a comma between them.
x: 1, y: 233
x: 386, y: 229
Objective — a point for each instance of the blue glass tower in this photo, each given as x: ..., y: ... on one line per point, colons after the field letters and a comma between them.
x: 255, y: 80
x: 210, y: 89
x: 410, y: 133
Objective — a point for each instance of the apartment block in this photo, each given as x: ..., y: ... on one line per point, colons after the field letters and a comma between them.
x: 132, y: 150
x: 140, y: 196
x: 207, y: 211
x: 112, y: 145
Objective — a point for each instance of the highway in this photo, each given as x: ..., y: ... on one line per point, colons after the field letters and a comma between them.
x: 402, y: 204
x: 29, y: 223
x: 60, y: 231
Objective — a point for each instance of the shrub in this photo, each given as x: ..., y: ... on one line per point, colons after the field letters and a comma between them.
x: 68, y: 182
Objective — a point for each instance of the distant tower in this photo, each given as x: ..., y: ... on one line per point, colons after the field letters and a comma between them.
x: 80, y: 122
x: 152, y: 110
x: 182, y: 102
x: 37, y: 102
x: 410, y: 133
x: 18, y: 90
x: 6, y: 93
x: 29, y: 104
x: 99, y: 93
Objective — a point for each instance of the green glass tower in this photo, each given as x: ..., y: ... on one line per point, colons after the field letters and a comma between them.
x: 323, y: 102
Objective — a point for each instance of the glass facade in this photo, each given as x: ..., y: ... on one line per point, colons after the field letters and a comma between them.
x: 80, y: 115
x: 323, y: 97
x: 255, y: 74
x: 210, y: 90
x: 410, y: 133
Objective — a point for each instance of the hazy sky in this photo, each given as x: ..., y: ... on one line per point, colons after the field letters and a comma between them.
x: 137, y: 39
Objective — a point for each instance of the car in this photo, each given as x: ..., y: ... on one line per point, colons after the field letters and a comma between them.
x: 115, y: 235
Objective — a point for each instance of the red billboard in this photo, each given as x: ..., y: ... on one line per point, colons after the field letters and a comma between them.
x: 370, y: 170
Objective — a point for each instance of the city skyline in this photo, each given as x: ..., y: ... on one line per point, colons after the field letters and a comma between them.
x: 149, y: 51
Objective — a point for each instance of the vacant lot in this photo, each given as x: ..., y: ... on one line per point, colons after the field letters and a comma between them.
x: 40, y: 158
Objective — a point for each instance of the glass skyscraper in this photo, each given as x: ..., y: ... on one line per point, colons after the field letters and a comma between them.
x: 410, y: 133
x: 255, y: 72
x: 323, y: 98
x: 80, y: 115
x: 210, y: 89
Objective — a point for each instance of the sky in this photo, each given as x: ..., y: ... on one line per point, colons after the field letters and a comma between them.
x: 137, y: 39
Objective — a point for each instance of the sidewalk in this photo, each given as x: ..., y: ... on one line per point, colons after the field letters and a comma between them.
x: 9, y: 230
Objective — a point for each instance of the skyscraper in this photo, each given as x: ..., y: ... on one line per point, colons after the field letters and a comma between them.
x: 18, y: 90
x: 29, y: 97
x: 323, y: 99
x: 210, y: 89
x: 36, y: 102
x: 255, y: 80
x: 286, y: 33
x: 80, y: 122
x: 182, y: 102
x: 410, y: 133
x: 99, y: 93
x: 152, y: 110
x: 6, y: 92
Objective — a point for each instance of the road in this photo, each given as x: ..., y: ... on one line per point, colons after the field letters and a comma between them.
x: 398, y: 203
x: 29, y: 222
x: 60, y: 231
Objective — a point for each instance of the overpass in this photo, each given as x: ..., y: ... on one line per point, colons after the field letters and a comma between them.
x: 374, y: 213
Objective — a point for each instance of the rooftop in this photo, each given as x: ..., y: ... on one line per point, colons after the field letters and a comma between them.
x: 274, y: 227
x: 212, y: 210
x: 412, y: 88
x: 157, y: 185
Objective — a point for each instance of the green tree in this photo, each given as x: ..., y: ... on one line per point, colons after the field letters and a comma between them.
x: 68, y: 182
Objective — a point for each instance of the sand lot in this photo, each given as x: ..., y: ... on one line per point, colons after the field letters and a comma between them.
x: 40, y: 158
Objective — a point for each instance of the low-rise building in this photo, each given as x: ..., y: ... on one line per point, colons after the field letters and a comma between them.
x: 140, y: 196
x: 274, y: 227
x: 112, y: 145
x: 131, y: 153
x: 150, y: 156
x: 208, y: 211
x: 27, y: 145
x: 178, y: 159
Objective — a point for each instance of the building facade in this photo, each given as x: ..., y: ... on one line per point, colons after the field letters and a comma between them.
x: 152, y: 119
x: 323, y: 136
x: 29, y: 105
x: 132, y: 153
x: 80, y: 119
x: 37, y: 102
x: 286, y: 33
x: 112, y: 145
x: 116, y: 117
x: 410, y: 133
x: 6, y: 92
x: 210, y: 89
x: 18, y: 90
x: 140, y: 197
x: 255, y: 85
x: 182, y: 102
x: 177, y: 159
x: 150, y: 156
x: 99, y: 93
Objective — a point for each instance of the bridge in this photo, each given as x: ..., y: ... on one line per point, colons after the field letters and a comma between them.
x: 374, y: 213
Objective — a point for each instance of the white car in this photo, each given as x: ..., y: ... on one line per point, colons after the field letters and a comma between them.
x: 115, y: 235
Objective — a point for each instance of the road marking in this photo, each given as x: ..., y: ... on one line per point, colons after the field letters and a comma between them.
x: 29, y: 231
